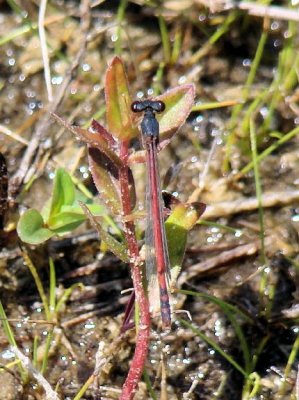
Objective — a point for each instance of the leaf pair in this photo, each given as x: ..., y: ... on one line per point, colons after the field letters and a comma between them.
x: 60, y: 215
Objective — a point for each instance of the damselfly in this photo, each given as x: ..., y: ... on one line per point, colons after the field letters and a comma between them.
x: 156, y: 254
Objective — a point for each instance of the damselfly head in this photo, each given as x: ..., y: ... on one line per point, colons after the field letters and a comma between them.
x: 153, y: 105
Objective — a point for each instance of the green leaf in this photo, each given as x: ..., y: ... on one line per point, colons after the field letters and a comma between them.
x: 63, y: 192
x: 179, y: 102
x: 66, y: 221
x: 118, y: 102
x: 31, y: 228
x: 181, y: 220
x: 113, y: 245
x: 71, y: 217
x: 96, y: 209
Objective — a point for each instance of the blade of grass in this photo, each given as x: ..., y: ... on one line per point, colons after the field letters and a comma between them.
x: 165, y: 39
x: 291, y: 360
x: 157, y: 79
x: 11, y: 338
x: 52, y: 295
x: 38, y: 284
x: 120, y: 17
x: 230, y: 312
x: 34, y: 351
x: 149, y: 385
x: 66, y: 294
x: 245, y: 93
x: 16, y: 8
x: 17, y: 32
x: 213, y: 105
x: 224, y: 305
x: 84, y: 387
x: 6, y: 326
x: 223, y: 28
x: 270, y: 149
x: 214, y: 345
x: 177, y: 44
x: 285, y: 77
x: 235, y: 231
x: 258, y: 188
x: 46, y: 352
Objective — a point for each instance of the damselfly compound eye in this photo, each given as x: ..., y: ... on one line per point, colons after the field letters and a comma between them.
x: 158, y: 106
x: 137, y: 106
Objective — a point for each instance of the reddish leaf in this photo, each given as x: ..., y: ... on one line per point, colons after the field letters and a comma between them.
x: 95, y: 140
x: 98, y: 128
x: 179, y: 102
x: 118, y: 102
x: 105, y: 175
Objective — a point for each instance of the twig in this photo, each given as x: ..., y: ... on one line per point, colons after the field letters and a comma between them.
x: 8, y: 132
x: 270, y: 199
x: 221, y: 259
x: 44, y: 48
x: 49, y: 392
x: 27, y: 167
x: 275, y: 12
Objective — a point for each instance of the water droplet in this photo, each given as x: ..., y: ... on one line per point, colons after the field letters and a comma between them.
x: 287, y: 34
x: 56, y: 80
x: 274, y: 25
x: 89, y: 325
x: 238, y: 233
x: 277, y: 43
x: 86, y: 67
x: 7, y: 354
x: 9, y: 52
x: 267, y: 270
x: 246, y: 62
x: 264, y: 111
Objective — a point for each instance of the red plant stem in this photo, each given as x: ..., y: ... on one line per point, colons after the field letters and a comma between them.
x: 143, y: 335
